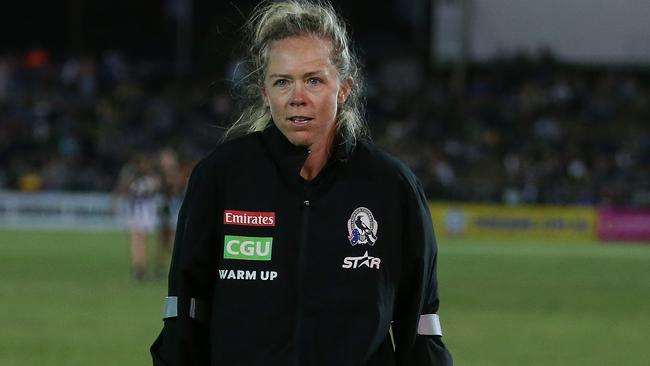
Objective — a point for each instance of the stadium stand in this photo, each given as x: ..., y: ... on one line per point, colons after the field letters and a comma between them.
x: 541, y: 132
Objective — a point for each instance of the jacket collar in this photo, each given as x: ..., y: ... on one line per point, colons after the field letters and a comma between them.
x: 290, y: 158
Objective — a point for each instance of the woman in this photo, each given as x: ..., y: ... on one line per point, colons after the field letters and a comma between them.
x: 301, y: 243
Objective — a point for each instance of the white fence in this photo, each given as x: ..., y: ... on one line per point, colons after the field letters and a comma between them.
x: 58, y: 210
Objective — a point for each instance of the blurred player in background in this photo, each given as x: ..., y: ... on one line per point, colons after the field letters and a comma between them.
x: 138, y: 187
x: 172, y: 187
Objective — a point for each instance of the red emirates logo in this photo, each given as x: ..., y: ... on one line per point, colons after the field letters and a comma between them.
x: 248, y: 218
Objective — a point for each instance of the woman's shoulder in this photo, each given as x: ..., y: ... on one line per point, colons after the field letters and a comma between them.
x: 235, y: 150
x: 384, y: 162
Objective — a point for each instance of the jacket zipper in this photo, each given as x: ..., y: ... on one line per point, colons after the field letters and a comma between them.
x: 301, y: 268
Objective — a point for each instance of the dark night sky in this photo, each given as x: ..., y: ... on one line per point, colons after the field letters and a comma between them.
x: 141, y: 27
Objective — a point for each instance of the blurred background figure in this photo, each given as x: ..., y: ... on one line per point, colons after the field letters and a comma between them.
x: 138, y: 187
x: 172, y: 187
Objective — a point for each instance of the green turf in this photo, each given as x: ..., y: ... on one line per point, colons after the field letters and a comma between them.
x: 546, y: 304
x: 67, y: 299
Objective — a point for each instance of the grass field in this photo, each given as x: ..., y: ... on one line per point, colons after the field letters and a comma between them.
x: 67, y: 299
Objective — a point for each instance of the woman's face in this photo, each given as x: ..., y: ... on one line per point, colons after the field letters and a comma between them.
x: 303, y: 91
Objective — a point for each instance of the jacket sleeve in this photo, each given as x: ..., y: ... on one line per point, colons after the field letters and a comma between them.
x: 184, y: 339
x: 416, y: 326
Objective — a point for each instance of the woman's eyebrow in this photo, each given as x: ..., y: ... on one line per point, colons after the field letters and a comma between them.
x: 305, y: 75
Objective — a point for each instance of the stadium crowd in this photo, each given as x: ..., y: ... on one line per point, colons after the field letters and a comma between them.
x: 516, y: 131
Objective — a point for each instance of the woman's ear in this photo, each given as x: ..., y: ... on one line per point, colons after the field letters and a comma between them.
x: 344, y: 91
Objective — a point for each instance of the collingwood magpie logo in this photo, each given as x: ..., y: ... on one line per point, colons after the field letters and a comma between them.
x: 362, y: 227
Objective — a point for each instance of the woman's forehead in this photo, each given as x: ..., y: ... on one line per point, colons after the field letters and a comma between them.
x: 298, y: 53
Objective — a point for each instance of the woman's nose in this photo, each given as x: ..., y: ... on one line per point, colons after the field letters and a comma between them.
x: 298, y: 97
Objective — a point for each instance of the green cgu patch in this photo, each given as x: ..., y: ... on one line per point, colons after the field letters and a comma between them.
x: 247, y: 248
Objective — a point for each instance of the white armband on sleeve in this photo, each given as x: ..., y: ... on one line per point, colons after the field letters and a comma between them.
x: 429, y: 325
x: 198, y: 308
x: 171, y: 307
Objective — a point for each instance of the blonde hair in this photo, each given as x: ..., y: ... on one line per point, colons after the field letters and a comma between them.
x: 274, y: 21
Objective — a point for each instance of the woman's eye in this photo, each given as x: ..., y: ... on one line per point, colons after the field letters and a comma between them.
x: 281, y: 82
x: 313, y: 81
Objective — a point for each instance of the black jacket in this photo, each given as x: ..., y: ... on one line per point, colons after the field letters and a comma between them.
x: 269, y: 269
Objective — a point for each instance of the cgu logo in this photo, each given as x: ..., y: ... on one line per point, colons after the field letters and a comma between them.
x: 249, y: 248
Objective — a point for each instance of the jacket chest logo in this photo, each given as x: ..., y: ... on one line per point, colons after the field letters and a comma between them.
x: 248, y: 218
x: 249, y: 248
x: 362, y: 227
x: 362, y: 230
x: 363, y: 261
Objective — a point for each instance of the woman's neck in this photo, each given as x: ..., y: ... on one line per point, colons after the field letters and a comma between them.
x: 313, y: 165
x: 318, y: 156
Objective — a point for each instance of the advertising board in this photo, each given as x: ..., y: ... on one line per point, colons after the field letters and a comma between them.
x: 498, y: 221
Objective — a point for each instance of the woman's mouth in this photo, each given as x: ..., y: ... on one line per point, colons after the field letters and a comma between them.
x: 299, y: 120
